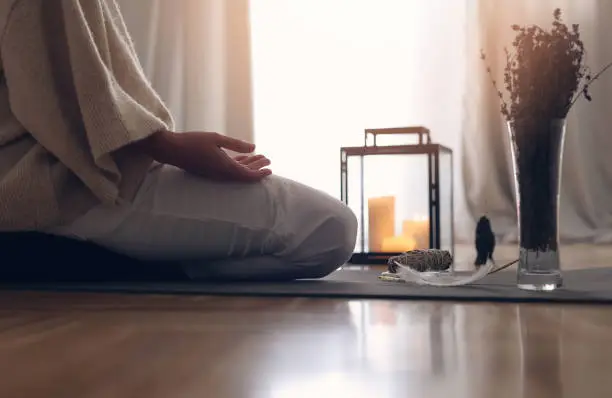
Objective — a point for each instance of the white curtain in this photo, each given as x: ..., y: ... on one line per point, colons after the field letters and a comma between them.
x: 197, y: 55
x: 325, y: 70
x: 586, y: 209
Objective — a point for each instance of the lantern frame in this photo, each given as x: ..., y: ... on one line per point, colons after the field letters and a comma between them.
x: 423, y: 147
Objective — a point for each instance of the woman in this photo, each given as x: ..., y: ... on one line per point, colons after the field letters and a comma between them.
x: 87, y: 150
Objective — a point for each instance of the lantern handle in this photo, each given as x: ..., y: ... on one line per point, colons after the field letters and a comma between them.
x: 413, y: 130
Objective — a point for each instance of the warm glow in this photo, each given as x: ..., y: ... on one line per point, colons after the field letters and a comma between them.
x: 417, y: 229
x: 381, y: 221
x: 398, y: 244
x: 381, y: 228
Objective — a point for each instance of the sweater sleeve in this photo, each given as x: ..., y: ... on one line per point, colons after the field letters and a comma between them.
x: 75, y: 83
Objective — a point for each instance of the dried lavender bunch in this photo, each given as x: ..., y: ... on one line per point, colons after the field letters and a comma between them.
x: 545, y: 74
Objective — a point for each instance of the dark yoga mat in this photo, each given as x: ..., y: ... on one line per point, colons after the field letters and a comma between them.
x: 581, y: 286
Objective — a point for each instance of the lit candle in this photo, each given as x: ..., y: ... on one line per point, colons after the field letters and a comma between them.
x: 381, y: 221
x: 398, y: 244
x: 417, y: 230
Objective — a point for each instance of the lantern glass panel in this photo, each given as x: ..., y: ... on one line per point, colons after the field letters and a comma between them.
x: 393, y: 208
x: 446, y: 229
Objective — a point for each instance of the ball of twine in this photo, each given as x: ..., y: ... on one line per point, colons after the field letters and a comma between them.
x: 422, y: 260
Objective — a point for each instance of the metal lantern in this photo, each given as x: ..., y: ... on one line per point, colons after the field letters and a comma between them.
x: 402, y: 193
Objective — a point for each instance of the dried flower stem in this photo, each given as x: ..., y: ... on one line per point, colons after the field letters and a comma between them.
x: 585, y: 87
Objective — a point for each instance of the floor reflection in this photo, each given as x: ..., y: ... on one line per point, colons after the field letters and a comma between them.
x: 427, y: 350
x: 541, y: 335
x: 388, y: 348
x: 260, y: 348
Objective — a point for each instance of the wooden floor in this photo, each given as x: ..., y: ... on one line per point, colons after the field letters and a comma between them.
x: 115, y: 346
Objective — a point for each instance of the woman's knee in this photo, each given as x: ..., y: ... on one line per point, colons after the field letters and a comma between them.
x: 330, y: 244
x: 345, y: 233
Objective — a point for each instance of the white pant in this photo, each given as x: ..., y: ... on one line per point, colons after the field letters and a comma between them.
x: 274, y: 230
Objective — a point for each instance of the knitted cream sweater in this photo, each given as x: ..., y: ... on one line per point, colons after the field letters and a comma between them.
x: 72, y: 98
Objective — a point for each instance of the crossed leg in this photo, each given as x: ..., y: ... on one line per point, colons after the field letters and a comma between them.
x: 274, y: 230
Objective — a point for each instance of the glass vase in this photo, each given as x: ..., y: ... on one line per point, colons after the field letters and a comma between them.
x: 537, y: 153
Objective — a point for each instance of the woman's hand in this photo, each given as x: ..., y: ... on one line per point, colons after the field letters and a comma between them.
x: 204, y: 154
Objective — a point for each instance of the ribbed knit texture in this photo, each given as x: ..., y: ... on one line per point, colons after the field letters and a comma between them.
x: 72, y: 98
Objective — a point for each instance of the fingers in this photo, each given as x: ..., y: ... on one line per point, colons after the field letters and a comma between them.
x: 235, y: 171
x: 257, y: 175
x: 258, y: 163
x: 234, y: 144
x: 253, y: 162
x: 243, y: 173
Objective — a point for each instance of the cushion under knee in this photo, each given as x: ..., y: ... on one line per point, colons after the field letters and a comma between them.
x: 34, y: 256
